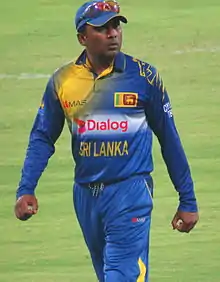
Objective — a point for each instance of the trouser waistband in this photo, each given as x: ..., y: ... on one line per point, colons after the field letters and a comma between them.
x: 97, y: 187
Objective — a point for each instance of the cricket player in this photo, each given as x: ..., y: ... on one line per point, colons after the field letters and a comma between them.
x: 112, y: 103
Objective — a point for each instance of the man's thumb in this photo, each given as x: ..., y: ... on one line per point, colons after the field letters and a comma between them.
x: 174, y: 222
x: 33, y: 206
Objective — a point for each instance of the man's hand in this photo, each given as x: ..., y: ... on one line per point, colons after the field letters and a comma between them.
x: 185, y: 221
x: 26, y: 206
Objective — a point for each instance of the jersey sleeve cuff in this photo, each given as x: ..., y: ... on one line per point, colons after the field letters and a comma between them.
x: 24, y: 191
x: 188, y: 206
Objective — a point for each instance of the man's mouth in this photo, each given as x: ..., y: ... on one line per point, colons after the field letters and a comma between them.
x: 113, y: 45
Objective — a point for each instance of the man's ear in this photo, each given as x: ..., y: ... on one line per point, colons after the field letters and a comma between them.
x: 82, y: 38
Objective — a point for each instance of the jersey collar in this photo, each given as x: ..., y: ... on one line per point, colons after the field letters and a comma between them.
x: 118, y: 65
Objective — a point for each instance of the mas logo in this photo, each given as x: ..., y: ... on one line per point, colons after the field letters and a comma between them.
x: 125, y: 99
x: 71, y: 104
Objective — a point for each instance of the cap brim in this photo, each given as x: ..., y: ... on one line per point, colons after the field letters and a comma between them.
x: 106, y: 18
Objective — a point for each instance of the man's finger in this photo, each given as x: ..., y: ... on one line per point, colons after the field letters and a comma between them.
x: 176, y: 222
x: 26, y: 208
x: 33, y: 207
x: 179, y: 225
x: 18, y: 211
x: 189, y: 227
x: 185, y: 227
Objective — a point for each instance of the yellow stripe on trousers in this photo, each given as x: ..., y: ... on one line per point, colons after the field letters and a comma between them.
x: 143, y: 270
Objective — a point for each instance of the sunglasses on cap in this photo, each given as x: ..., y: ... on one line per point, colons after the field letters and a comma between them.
x: 96, y: 9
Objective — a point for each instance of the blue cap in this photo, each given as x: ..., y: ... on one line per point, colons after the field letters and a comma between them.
x: 100, y: 20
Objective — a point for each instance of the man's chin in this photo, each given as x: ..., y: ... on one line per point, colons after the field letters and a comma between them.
x: 112, y: 53
x: 109, y: 55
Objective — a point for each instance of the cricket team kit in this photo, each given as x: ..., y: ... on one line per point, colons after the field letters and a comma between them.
x: 110, y: 118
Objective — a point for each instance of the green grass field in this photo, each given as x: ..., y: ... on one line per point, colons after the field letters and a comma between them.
x: 182, y: 39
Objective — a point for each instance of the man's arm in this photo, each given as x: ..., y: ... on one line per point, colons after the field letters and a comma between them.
x: 160, y: 118
x: 47, y: 128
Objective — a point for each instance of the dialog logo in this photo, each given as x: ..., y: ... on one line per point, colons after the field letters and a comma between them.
x: 94, y: 125
x: 81, y: 125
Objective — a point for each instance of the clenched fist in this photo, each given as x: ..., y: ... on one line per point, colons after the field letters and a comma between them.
x: 185, y: 221
x: 26, y: 206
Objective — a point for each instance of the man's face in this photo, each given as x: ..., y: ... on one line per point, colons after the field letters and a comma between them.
x: 104, y: 41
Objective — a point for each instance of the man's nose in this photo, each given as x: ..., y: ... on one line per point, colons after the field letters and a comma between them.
x: 112, y: 32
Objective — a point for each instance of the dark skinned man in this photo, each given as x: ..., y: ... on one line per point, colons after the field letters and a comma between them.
x: 112, y: 103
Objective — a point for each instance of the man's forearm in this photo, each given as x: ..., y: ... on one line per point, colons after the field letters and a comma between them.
x: 179, y: 172
x: 38, y: 153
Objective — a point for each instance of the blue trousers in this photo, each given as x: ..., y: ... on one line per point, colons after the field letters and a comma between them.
x: 116, y: 224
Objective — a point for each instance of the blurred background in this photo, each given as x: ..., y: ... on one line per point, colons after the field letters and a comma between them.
x: 180, y: 38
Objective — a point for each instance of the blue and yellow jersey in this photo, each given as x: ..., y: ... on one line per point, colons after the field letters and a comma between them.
x: 110, y: 118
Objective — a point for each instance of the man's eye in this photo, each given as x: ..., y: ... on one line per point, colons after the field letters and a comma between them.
x: 116, y: 24
x: 100, y: 28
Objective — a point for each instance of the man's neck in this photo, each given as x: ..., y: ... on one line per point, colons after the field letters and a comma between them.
x: 99, y: 64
